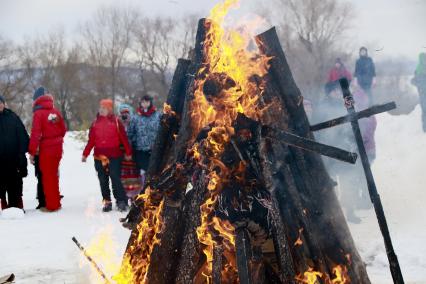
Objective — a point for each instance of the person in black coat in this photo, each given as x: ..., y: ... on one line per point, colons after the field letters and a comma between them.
x: 365, y: 72
x: 13, y: 162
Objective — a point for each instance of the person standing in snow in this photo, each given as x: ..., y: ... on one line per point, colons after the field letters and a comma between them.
x: 339, y: 71
x: 142, y: 133
x: 130, y: 175
x: 365, y: 73
x: 13, y: 162
x: 419, y: 81
x: 47, y: 139
x: 106, y: 136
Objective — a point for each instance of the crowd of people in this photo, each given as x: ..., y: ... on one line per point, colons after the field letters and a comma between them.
x: 121, y: 144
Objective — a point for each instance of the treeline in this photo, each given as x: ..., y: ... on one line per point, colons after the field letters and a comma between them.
x: 118, y: 53
x: 122, y: 54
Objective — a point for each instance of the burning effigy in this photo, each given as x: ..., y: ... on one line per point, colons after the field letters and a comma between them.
x: 237, y: 191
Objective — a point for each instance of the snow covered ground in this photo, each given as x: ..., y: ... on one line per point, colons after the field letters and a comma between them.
x: 38, y: 247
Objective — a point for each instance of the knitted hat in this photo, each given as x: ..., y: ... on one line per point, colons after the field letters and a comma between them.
x: 41, y: 91
x: 107, y: 103
x: 2, y: 100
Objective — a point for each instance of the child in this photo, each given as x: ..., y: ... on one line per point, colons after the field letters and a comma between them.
x: 130, y: 175
x: 106, y: 135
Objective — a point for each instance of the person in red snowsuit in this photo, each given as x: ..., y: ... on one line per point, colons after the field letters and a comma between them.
x: 47, y: 139
x: 339, y: 71
x: 106, y: 135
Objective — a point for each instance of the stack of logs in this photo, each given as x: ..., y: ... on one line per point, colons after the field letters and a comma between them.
x: 291, y: 223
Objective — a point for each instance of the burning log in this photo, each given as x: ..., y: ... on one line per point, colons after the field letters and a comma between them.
x: 226, y: 203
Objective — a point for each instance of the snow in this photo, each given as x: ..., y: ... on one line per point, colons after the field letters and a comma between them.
x: 38, y: 247
x: 12, y: 214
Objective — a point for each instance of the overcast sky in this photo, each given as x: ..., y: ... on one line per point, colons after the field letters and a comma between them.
x: 397, y: 25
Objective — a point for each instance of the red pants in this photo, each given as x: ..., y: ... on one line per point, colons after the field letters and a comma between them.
x: 49, y: 167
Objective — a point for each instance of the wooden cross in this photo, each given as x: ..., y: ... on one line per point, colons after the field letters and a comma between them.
x: 310, y: 145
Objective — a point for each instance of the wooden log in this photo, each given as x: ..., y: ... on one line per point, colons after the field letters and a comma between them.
x: 358, y: 115
x: 217, y: 264
x: 170, y: 121
x: 309, y: 145
x: 164, y: 256
x: 190, y: 252
x: 243, y: 252
x: 315, y: 186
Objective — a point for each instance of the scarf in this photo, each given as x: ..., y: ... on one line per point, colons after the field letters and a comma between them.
x: 147, y: 113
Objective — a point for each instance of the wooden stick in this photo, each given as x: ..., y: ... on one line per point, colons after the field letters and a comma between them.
x: 90, y: 259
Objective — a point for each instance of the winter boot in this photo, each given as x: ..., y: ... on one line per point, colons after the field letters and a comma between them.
x: 122, y: 206
x: 107, y: 206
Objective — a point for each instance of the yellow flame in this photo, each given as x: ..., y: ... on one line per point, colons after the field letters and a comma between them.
x: 103, y: 249
x: 310, y: 276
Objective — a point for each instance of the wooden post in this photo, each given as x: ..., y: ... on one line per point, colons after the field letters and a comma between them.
x: 372, y: 189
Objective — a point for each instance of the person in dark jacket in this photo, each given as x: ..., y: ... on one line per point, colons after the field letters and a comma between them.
x: 47, y: 139
x: 142, y: 133
x: 106, y: 135
x: 419, y: 81
x: 365, y: 72
x: 339, y: 71
x: 13, y: 162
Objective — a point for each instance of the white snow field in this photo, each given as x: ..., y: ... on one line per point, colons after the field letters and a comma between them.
x: 38, y: 247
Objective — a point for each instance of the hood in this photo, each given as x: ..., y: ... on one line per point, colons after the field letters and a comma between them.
x: 124, y: 107
x: 43, y: 102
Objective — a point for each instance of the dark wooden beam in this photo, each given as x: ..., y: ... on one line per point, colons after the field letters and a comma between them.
x: 309, y: 145
x: 358, y: 115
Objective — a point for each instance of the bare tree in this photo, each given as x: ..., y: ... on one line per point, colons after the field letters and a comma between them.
x: 159, y: 43
x: 13, y: 79
x: 313, y: 33
x: 107, y: 38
